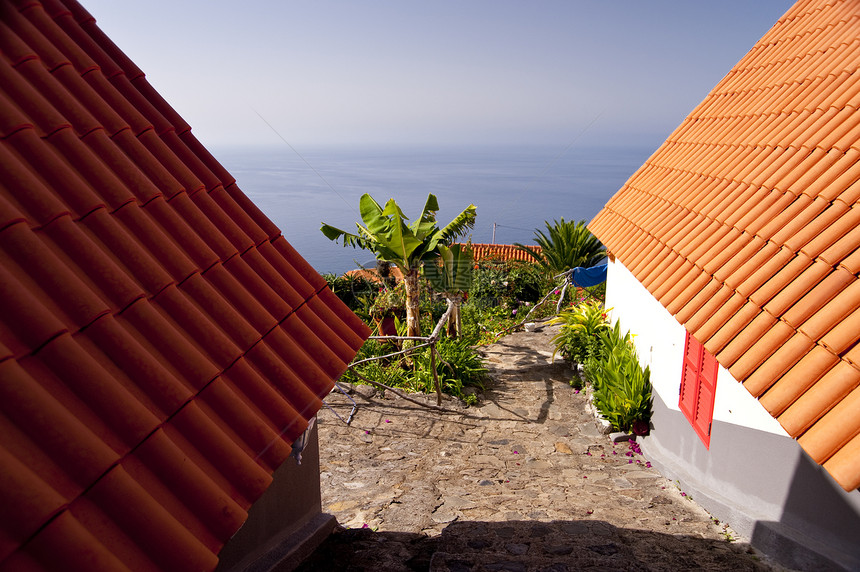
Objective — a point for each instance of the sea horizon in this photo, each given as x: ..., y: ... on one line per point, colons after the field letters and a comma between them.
x: 516, y: 188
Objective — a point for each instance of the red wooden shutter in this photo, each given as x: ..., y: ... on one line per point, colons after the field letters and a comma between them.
x: 698, y: 388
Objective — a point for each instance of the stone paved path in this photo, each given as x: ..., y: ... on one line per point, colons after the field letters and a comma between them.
x: 523, y: 481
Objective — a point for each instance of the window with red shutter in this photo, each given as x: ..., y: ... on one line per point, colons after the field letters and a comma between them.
x: 698, y: 388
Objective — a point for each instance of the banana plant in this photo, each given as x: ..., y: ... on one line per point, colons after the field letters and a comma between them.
x: 452, y: 277
x: 386, y: 233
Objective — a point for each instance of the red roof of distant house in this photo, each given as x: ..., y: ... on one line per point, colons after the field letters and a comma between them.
x: 161, y: 344
x: 502, y: 252
x: 745, y: 224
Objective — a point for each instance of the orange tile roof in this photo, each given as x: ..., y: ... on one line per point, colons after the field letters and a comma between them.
x: 503, y: 252
x: 161, y: 344
x: 745, y: 224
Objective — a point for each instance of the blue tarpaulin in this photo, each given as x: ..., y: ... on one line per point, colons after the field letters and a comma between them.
x: 585, y: 277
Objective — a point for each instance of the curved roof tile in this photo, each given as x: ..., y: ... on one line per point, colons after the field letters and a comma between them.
x: 766, y: 215
x: 161, y: 344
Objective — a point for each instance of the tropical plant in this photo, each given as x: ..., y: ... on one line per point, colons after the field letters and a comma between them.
x: 621, y: 388
x: 452, y: 278
x: 622, y: 392
x: 566, y: 245
x: 386, y: 234
x: 579, y: 337
x: 458, y: 365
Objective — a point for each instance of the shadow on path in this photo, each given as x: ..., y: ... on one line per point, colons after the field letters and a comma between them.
x: 526, y: 546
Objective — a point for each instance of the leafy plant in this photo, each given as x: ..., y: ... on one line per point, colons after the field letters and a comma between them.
x: 622, y: 389
x: 452, y: 278
x: 566, y: 245
x: 386, y: 234
x: 579, y: 335
x: 458, y: 365
x: 354, y: 291
x: 389, y: 301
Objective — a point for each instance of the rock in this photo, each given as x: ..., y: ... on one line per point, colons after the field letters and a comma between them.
x: 604, y: 426
x: 563, y: 448
x: 518, y: 549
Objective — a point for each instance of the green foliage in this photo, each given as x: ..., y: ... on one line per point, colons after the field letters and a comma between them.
x: 527, y: 282
x: 622, y: 389
x: 566, y: 245
x: 386, y: 234
x: 458, y: 365
x: 389, y: 301
x: 453, y: 273
x: 489, y: 285
x: 357, y: 293
x: 579, y: 336
x: 509, y: 284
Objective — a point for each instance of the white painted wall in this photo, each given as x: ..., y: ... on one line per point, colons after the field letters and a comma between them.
x: 659, y: 342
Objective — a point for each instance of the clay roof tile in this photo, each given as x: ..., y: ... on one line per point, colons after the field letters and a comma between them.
x: 161, y: 343
x: 752, y: 198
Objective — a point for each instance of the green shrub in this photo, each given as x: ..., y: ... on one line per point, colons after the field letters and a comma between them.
x: 489, y: 285
x: 355, y: 292
x: 527, y: 282
x: 621, y: 388
x: 579, y: 336
x: 458, y: 365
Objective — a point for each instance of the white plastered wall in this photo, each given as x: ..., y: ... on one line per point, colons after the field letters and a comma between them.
x: 659, y: 340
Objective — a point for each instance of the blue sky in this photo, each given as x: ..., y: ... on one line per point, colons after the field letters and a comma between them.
x: 459, y: 72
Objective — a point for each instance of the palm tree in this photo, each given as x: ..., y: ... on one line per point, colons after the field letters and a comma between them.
x: 386, y: 234
x: 567, y: 245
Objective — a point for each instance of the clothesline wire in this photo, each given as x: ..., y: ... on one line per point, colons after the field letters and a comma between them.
x: 312, y: 168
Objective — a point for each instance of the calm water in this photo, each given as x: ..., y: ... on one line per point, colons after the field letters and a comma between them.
x: 515, y: 188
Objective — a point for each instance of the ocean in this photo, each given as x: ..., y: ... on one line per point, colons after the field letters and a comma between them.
x: 515, y: 190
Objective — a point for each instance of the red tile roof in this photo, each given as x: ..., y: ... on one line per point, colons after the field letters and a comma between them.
x: 502, y: 252
x: 745, y: 224
x: 161, y: 344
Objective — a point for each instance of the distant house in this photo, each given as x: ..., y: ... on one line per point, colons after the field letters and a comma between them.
x: 502, y: 252
x: 736, y: 253
x: 162, y: 345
